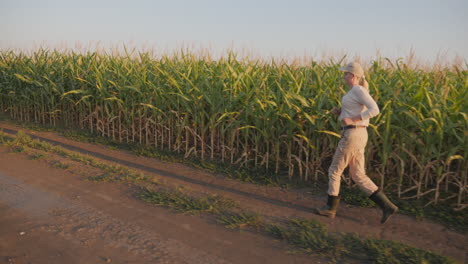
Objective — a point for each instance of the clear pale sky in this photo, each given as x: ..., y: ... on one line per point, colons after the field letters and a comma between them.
x: 263, y: 27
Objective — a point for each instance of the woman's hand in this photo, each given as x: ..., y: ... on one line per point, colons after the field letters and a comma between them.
x: 349, y: 121
x: 336, y: 111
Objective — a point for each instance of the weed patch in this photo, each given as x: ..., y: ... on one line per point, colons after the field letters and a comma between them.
x: 183, y: 202
x: 36, y: 156
x: 238, y: 220
x: 60, y: 165
x: 105, y: 177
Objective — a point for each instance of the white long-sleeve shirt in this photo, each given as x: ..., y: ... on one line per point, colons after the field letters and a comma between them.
x: 358, y: 101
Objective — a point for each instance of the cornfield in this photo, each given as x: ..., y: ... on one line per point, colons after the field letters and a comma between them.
x: 272, y: 116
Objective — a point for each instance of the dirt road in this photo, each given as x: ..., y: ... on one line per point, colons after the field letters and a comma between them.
x: 50, y: 215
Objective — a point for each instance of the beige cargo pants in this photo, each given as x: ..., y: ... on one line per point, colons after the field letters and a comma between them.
x: 350, y: 151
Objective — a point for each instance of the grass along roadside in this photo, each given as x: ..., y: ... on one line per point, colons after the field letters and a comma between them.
x: 418, y: 208
x: 313, y: 237
x: 115, y: 172
x: 307, y: 236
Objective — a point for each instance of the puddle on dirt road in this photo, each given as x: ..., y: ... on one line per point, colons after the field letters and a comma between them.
x: 34, y: 202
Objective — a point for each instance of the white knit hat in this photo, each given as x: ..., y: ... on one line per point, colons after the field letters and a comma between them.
x: 354, y: 68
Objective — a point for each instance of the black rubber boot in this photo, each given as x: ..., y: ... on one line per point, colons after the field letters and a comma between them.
x: 388, y: 208
x: 331, y: 207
